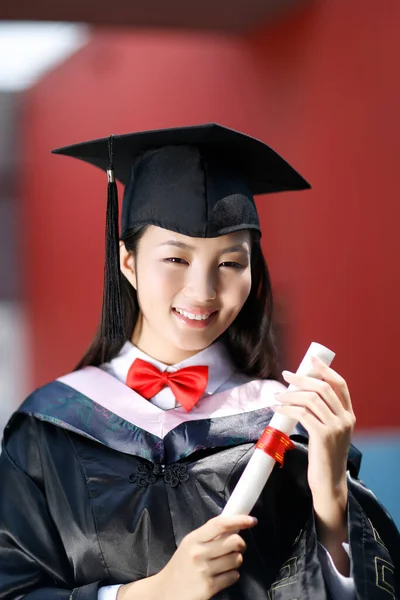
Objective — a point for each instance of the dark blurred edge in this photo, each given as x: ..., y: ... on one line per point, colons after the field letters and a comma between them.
x: 221, y: 15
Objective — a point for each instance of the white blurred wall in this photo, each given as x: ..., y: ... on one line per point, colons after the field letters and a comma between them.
x: 14, y: 368
x: 13, y: 360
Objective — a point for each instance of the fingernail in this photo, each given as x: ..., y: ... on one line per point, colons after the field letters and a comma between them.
x: 275, y: 406
x: 253, y: 520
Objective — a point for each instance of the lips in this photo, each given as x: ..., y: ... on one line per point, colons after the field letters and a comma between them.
x: 194, y: 318
x: 194, y: 314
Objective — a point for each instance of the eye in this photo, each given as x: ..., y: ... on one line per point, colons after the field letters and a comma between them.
x: 174, y: 259
x: 232, y: 265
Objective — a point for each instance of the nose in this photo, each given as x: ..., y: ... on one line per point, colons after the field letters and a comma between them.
x: 201, y: 285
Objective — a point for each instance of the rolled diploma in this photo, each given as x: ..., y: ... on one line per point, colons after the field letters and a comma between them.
x: 260, y: 465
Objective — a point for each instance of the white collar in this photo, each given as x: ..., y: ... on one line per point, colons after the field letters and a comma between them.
x: 220, y: 369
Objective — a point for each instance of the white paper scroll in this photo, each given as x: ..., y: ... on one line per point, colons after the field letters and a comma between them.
x: 260, y: 465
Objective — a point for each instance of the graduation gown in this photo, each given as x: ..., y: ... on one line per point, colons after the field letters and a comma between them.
x: 90, y: 497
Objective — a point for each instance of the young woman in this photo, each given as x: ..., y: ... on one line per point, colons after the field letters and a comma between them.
x: 114, y: 475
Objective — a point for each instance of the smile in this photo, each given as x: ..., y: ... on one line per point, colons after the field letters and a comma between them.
x: 194, y: 321
x: 193, y: 317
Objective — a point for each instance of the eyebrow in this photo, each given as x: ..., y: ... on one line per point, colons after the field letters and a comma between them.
x: 237, y: 248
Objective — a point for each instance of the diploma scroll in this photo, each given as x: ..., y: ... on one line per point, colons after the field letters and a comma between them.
x: 260, y: 465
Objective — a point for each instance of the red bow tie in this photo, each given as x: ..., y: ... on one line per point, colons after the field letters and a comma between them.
x: 187, y: 384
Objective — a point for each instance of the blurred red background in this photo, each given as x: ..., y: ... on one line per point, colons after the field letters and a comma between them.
x: 322, y: 88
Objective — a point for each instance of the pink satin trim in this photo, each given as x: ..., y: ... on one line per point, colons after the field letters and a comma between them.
x: 115, y: 396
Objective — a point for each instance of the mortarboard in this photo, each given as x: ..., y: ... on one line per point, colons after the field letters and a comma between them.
x: 198, y: 181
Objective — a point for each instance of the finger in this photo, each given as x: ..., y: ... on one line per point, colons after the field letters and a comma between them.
x: 223, y: 524
x: 311, y: 384
x: 225, y: 545
x: 220, y: 582
x: 341, y: 426
x: 337, y: 382
x: 299, y: 413
x: 310, y: 400
x: 222, y: 564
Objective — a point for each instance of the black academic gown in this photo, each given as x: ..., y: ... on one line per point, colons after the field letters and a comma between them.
x: 88, y: 499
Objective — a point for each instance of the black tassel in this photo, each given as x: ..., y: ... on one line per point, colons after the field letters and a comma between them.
x: 112, y: 325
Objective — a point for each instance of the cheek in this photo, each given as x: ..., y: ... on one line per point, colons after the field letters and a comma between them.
x: 237, y: 291
x: 245, y: 284
x: 157, y: 287
x: 246, y: 287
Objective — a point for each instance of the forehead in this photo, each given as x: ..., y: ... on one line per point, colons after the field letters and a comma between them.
x: 158, y: 236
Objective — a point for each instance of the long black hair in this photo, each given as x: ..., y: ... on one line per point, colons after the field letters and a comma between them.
x: 249, y: 339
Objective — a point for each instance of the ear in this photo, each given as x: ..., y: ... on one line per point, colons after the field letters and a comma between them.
x: 127, y: 264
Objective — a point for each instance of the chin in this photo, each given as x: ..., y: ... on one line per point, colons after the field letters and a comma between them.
x: 194, y: 345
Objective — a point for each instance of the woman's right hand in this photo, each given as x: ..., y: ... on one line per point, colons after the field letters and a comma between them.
x: 206, y: 562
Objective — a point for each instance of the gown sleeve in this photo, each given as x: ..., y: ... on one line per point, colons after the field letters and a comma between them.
x: 33, y: 562
x: 373, y: 543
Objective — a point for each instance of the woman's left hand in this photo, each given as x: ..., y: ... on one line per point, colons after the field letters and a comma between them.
x: 323, y: 407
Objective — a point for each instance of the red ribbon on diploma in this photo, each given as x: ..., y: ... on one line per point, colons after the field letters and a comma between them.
x: 275, y: 443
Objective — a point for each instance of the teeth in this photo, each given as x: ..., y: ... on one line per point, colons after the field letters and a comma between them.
x: 191, y: 316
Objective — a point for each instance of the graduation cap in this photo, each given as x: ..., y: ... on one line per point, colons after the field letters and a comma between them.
x: 199, y: 181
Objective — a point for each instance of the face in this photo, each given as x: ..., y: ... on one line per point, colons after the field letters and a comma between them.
x: 189, y: 289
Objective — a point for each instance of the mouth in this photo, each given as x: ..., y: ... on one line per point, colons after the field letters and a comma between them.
x: 196, y: 320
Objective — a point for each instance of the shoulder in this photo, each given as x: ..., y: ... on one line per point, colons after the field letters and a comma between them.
x: 22, y: 429
x: 20, y: 447
x: 33, y: 433
x: 62, y: 391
